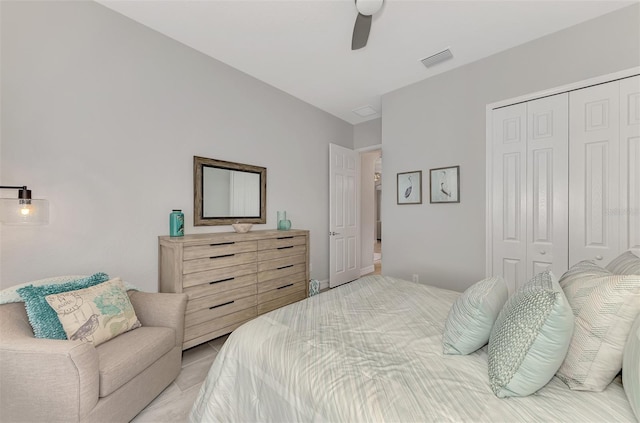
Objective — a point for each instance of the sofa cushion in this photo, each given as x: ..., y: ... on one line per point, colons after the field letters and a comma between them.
x: 124, y: 357
x: 95, y: 314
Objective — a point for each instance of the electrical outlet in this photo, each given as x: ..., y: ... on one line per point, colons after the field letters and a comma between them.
x: 415, y: 278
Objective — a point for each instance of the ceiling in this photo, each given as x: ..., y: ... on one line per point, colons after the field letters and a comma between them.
x: 303, y: 47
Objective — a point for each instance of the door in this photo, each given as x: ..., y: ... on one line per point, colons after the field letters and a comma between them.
x: 344, y: 227
x: 594, y: 174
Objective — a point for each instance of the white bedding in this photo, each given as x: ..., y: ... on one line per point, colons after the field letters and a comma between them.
x: 372, y: 351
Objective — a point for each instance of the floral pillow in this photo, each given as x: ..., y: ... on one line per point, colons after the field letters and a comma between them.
x: 95, y: 314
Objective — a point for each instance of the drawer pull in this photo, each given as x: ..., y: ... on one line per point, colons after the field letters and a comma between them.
x: 221, y: 280
x: 223, y: 256
x: 220, y: 305
x: 284, y: 267
x: 284, y: 248
x: 285, y: 237
x: 286, y: 286
x: 222, y: 243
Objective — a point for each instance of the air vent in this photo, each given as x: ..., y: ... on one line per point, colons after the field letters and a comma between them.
x: 365, y: 111
x: 437, y: 58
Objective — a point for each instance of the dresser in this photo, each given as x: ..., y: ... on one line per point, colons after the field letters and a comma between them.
x: 230, y: 278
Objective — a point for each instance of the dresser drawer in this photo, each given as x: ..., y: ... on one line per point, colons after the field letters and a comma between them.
x: 218, y: 310
x: 199, y: 278
x: 280, y: 252
x: 215, y: 301
x: 276, y: 283
x: 218, y: 249
x: 281, y: 272
x: 221, y: 285
x: 285, y: 289
x: 280, y: 302
x: 206, y: 328
x: 217, y: 262
x: 281, y: 263
x: 283, y: 241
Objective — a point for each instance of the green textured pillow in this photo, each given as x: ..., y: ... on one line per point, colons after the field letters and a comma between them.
x: 43, y: 318
x: 471, y: 317
x: 631, y: 368
x: 530, y: 338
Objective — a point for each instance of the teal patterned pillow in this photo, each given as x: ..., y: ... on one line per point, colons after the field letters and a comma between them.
x: 43, y: 318
x: 530, y: 337
x: 471, y: 317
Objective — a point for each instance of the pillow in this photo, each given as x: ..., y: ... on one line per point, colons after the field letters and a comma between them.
x: 95, y: 314
x: 530, y: 337
x: 626, y: 263
x: 631, y: 368
x: 471, y: 317
x: 605, y: 306
x: 43, y: 319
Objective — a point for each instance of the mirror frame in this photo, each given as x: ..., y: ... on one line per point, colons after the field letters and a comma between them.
x: 198, y: 219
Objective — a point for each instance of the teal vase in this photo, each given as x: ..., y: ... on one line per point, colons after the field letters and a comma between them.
x: 176, y: 223
x: 283, y: 223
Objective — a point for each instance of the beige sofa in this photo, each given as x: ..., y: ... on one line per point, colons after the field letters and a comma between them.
x: 71, y: 381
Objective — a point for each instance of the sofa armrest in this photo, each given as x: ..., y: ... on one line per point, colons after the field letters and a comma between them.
x: 44, y: 379
x: 161, y: 309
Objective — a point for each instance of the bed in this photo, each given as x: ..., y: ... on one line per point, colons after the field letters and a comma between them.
x: 372, y: 351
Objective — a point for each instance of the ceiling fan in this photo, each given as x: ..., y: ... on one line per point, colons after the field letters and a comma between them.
x: 366, y: 9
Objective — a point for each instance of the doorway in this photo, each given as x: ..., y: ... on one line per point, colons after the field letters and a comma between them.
x: 370, y: 215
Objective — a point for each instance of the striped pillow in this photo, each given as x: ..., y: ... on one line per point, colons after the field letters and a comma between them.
x: 626, y: 263
x: 605, y: 306
x: 471, y: 317
x: 631, y: 368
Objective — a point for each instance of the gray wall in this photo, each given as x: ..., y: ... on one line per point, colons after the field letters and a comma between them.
x: 441, y: 122
x: 367, y: 134
x: 102, y: 116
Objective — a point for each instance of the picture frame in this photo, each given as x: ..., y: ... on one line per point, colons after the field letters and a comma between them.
x: 409, y: 187
x: 444, y: 185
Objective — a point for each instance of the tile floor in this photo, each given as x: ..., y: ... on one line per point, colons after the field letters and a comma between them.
x: 174, y: 403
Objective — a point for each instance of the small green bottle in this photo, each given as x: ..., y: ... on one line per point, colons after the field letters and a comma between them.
x: 176, y: 223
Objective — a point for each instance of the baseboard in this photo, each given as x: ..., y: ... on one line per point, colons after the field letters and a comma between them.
x: 367, y: 270
x: 324, y: 284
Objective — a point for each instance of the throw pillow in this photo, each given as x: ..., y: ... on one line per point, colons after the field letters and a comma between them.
x: 530, y: 337
x: 605, y: 306
x: 471, y: 317
x: 626, y: 263
x: 631, y: 368
x: 43, y: 319
x: 95, y: 314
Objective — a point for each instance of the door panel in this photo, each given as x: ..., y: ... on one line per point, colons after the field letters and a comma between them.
x: 594, y: 174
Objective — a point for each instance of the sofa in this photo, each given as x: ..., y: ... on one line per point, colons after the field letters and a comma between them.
x: 73, y: 381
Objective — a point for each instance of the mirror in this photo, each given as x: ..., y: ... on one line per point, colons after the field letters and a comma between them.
x: 227, y: 192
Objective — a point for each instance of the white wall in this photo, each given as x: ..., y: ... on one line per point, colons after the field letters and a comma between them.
x: 367, y: 134
x: 102, y: 116
x: 441, y: 122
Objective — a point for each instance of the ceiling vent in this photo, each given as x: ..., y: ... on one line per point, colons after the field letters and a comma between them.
x: 437, y: 58
x: 365, y: 111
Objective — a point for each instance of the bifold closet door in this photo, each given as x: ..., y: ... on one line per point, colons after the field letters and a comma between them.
x: 530, y: 189
x: 594, y: 227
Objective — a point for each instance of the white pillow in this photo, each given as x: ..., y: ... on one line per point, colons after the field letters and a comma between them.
x: 631, y: 368
x: 626, y: 263
x: 605, y: 306
x: 471, y: 317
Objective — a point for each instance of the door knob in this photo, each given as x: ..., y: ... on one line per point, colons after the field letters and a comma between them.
x: 543, y: 252
x: 334, y: 233
x: 598, y: 257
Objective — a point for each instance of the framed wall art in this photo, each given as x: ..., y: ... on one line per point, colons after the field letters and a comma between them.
x: 410, y: 187
x: 444, y: 185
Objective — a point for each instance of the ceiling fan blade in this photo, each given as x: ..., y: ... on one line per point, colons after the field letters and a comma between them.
x: 361, y: 31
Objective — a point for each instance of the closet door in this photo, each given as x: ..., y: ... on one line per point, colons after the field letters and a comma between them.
x: 594, y: 173
x: 630, y: 164
x: 509, y: 243
x: 547, y: 185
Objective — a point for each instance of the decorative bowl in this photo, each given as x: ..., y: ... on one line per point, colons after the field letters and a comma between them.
x: 242, y: 228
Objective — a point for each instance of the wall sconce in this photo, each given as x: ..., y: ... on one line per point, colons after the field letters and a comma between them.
x: 23, y: 210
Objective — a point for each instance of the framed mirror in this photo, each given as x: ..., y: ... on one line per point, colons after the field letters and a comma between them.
x: 227, y: 192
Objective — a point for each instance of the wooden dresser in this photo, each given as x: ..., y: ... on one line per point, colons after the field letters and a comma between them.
x: 231, y: 278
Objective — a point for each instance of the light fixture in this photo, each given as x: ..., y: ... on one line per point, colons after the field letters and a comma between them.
x: 23, y: 210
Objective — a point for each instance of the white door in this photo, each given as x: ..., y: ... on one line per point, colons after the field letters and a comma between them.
x: 594, y: 176
x: 509, y: 247
x: 630, y: 164
x: 344, y: 225
x: 548, y: 185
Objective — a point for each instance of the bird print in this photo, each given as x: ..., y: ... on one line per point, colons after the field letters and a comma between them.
x: 86, y: 329
x: 407, y: 192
